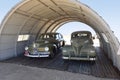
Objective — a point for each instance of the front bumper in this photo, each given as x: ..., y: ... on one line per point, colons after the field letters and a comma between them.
x: 37, y: 54
x: 79, y: 58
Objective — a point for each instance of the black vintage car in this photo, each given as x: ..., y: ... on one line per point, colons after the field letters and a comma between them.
x: 46, y: 45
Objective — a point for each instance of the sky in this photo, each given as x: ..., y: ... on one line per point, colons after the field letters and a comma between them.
x: 108, y: 10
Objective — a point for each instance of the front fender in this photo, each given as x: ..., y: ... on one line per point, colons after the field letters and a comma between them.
x: 50, y: 45
x: 67, y: 50
x: 90, y: 50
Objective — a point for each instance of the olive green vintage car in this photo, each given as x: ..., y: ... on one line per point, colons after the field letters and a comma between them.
x: 46, y: 45
x: 81, y: 47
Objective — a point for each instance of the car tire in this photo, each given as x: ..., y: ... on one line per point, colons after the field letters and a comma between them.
x: 65, y: 60
x: 53, y: 52
x: 92, y: 62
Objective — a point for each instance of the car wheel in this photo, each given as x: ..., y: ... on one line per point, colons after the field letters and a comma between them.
x: 58, y: 46
x: 92, y: 62
x: 62, y: 43
x: 51, y: 55
x: 53, y: 52
x: 65, y: 60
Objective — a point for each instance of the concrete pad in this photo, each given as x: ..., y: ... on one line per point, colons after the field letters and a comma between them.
x: 19, y: 72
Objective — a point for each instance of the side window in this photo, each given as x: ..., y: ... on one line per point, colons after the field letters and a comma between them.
x: 44, y: 36
x: 23, y: 37
x: 74, y: 35
x: 57, y: 36
x: 47, y: 36
x: 60, y: 36
x: 41, y: 36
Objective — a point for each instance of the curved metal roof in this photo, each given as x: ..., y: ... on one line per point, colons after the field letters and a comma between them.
x: 48, y: 15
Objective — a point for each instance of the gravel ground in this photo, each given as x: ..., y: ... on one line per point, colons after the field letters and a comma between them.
x: 19, y: 72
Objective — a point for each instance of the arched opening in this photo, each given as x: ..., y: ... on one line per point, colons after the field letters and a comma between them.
x: 67, y: 28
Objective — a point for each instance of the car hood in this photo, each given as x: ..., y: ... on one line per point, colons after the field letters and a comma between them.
x: 79, y: 42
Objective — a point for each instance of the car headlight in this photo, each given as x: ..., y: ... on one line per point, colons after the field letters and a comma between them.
x: 34, y: 45
x: 46, y: 48
x: 86, y: 41
x: 26, y: 48
x: 46, y: 41
x: 92, y: 51
x: 64, y: 50
x: 71, y: 41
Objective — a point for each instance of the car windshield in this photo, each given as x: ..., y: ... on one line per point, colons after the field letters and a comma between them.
x: 79, y: 35
x: 47, y: 36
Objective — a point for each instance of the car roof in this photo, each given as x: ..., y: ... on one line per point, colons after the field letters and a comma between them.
x: 50, y: 33
x: 76, y: 32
